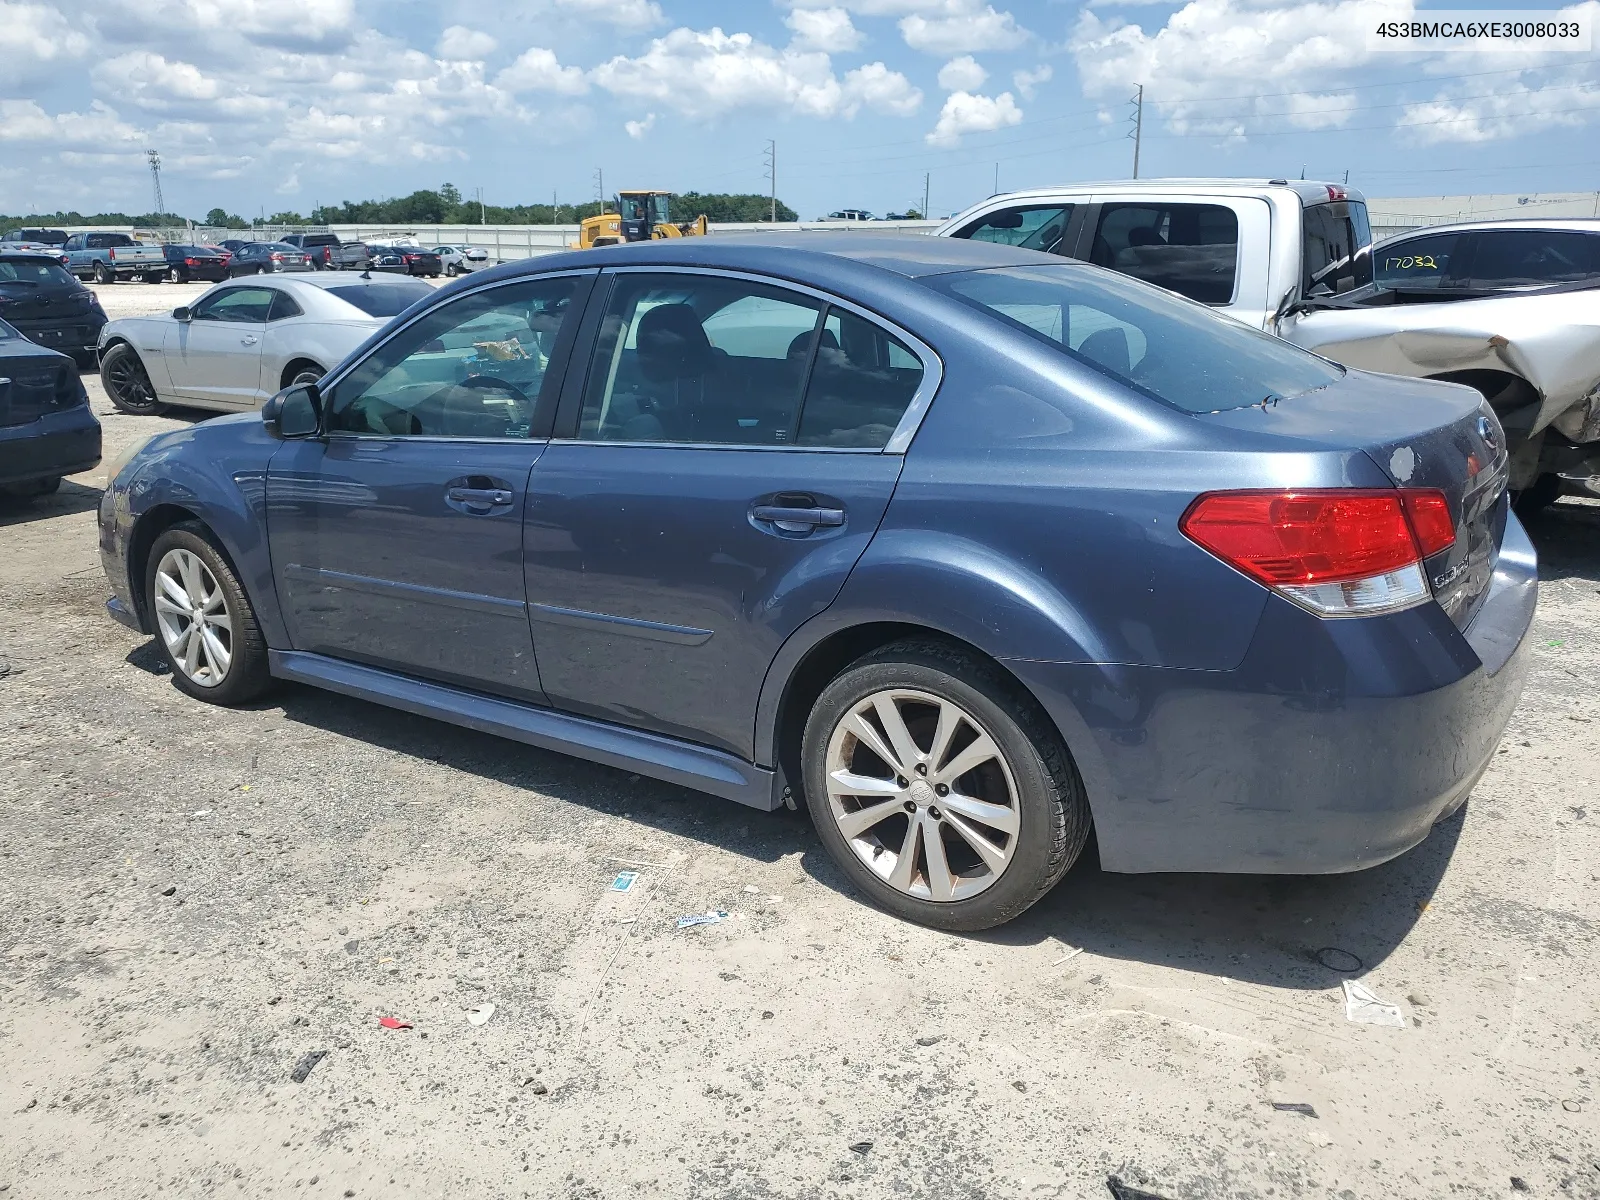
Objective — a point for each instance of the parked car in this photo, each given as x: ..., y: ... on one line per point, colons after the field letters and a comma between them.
x: 850, y: 214
x: 36, y: 237
x: 185, y: 264
x: 969, y: 547
x: 109, y: 257
x: 46, y: 428
x: 265, y: 258
x: 327, y: 253
x: 234, y: 245
x: 405, y: 260
x: 241, y: 342
x: 1511, y: 308
x: 458, y: 260
x: 42, y: 301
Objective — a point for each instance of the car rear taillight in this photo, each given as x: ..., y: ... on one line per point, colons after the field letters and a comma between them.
x: 1336, y: 551
x: 277, y: 257
x: 411, y: 258
x: 191, y: 262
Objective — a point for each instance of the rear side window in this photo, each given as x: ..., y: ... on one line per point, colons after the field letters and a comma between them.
x: 1032, y: 227
x: 381, y: 300
x: 1331, y: 236
x: 1158, y: 344
x: 1421, y: 263
x: 1191, y: 249
x: 283, y: 305
x: 1512, y: 258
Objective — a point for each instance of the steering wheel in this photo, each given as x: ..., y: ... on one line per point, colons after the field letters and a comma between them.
x: 489, y: 383
x: 460, y: 416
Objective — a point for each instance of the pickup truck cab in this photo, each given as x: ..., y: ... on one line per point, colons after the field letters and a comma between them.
x: 108, y: 257
x: 326, y: 252
x: 1247, y: 248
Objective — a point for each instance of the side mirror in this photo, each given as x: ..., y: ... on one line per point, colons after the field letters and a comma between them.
x: 180, y: 314
x: 295, y: 412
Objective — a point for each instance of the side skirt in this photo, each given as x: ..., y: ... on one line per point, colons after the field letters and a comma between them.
x: 683, y: 763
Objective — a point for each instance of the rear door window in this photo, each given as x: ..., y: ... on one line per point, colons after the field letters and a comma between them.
x: 1032, y: 227
x: 1517, y: 258
x: 1191, y: 249
x: 1421, y: 263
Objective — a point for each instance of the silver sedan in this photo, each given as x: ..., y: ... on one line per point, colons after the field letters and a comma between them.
x: 245, y: 340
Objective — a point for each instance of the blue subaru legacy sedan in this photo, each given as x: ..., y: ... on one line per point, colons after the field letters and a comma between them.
x: 967, y: 548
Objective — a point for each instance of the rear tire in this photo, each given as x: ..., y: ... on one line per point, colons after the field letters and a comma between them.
x: 176, y: 276
x: 1011, y: 823
x: 205, y: 626
x: 307, y: 373
x: 127, y: 383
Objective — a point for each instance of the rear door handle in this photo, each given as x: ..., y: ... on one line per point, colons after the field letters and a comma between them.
x: 790, y: 517
x: 480, y: 497
x: 248, y: 341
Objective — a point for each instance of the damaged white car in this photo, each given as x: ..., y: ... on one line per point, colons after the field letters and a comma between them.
x: 1511, y: 308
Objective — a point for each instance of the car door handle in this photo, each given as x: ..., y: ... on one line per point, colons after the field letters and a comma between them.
x: 249, y: 341
x: 487, y: 497
x: 787, y: 515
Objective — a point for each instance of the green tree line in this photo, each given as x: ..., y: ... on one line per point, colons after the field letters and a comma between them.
x: 444, y: 206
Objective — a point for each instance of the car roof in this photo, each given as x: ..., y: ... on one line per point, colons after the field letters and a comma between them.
x: 798, y: 253
x: 41, y: 255
x: 322, y: 280
x: 1552, y: 224
x: 1310, y: 191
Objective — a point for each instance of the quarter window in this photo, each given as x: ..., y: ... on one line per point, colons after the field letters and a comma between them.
x: 712, y: 360
x: 1422, y: 263
x: 249, y: 305
x: 1191, y: 249
x: 1035, y: 227
x: 283, y: 305
x: 1333, y: 236
x: 475, y: 367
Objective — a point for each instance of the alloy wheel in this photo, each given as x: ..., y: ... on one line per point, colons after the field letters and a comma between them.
x: 175, y: 275
x: 923, y: 795
x: 192, y: 615
x: 129, y: 385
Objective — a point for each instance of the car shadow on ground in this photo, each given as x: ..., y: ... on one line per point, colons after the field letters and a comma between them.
x: 71, y: 498
x: 1567, y: 537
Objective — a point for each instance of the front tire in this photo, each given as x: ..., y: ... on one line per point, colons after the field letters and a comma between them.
x: 940, y: 788
x: 103, y: 274
x: 127, y: 383
x: 452, y: 270
x: 205, y: 625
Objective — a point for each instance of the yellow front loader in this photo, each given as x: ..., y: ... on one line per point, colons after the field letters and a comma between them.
x: 640, y: 217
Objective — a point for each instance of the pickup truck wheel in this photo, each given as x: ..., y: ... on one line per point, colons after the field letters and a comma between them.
x: 103, y: 274
x: 206, y: 626
x: 127, y: 383
x: 939, y: 788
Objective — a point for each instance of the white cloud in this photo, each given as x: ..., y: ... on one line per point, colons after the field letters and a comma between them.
x: 1513, y: 111
x: 709, y: 73
x: 288, y: 23
x: 962, y: 75
x: 150, y: 81
x: 537, y: 70
x: 633, y: 15
x: 961, y: 29
x: 827, y: 29
x: 637, y: 129
x: 1026, y: 81
x: 965, y: 113
x: 34, y: 37
x: 25, y: 121
x: 462, y: 43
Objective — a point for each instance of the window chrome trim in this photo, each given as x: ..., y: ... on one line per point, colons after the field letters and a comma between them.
x: 333, y: 379
x: 910, y: 420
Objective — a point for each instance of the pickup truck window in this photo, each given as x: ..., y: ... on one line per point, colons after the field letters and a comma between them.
x: 75, y: 242
x: 1333, y: 233
x: 1516, y: 258
x: 1167, y: 348
x: 105, y: 241
x: 1033, y: 227
x: 1422, y: 262
x: 1191, y: 249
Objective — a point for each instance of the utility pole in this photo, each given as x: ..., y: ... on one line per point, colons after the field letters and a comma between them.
x: 155, y: 177
x: 996, y: 191
x: 555, y: 208
x: 1138, y: 127
x: 772, y: 178
x: 482, y: 218
x: 926, y: 176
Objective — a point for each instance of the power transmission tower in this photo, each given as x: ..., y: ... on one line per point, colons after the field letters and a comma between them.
x: 771, y: 164
x: 1138, y: 126
x: 600, y: 188
x: 155, y: 177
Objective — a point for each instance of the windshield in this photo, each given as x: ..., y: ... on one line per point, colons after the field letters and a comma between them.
x: 382, y: 300
x: 32, y: 270
x: 1164, y: 346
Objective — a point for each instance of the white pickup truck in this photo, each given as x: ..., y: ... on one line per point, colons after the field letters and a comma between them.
x: 1294, y: 258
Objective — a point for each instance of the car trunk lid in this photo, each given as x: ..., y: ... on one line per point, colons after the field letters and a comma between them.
x: 33, y: 382
x: 27, y: 301
x: 1420, y: 434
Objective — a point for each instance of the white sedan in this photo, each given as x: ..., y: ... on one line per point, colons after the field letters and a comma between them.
x: 458, y: 260
x: 244, y: 341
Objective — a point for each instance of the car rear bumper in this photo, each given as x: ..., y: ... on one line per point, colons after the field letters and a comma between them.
x: 76, y: 334
x: 1335, y: 746
x: 58, y: 443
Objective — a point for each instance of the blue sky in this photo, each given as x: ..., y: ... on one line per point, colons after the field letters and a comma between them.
x: 274, y: 104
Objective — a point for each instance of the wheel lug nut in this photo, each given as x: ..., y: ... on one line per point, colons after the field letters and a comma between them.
x: 934, y: 813
x: 900, y: 781
x: 922, y: 768
x: 942, y: 790
x: 911, y: 806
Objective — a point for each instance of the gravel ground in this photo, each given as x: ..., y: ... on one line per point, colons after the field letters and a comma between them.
x: 192, y: 900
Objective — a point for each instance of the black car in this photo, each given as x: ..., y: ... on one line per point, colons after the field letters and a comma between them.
x: 46, y: 428
x: 188, y: 263
x: 406, y: 260
x: 265, y: 258
x: 39, y: 237
x: 41, y: 300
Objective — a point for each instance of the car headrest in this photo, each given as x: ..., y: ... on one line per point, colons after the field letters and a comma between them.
x: 673, y: 344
